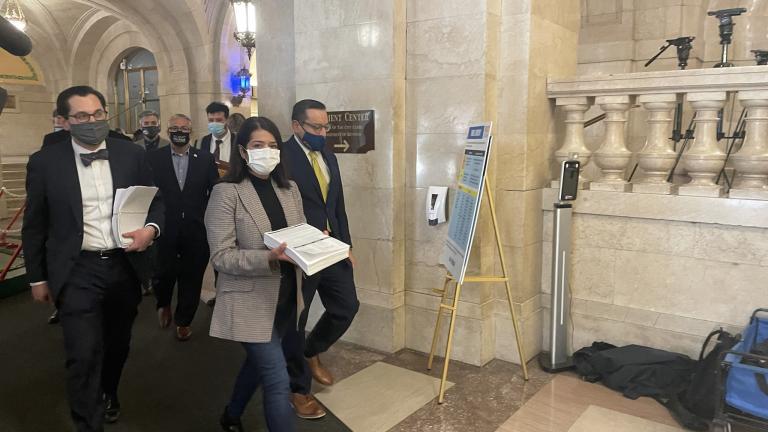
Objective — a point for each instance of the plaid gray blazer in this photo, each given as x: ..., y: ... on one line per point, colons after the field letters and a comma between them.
x: 246, y: 288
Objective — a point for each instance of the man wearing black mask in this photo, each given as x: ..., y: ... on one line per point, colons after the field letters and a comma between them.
x: 185, y: 176
x: 75, y: 259
x: 150, y: 137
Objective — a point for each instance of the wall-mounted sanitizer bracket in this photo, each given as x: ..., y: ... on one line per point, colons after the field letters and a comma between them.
x: 437, y: 199
x: 557, y: 358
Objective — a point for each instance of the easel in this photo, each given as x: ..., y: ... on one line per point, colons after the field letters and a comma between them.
x: 454, y: 307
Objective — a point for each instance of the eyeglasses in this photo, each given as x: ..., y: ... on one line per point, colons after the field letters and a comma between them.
x: 179, y: 129
x: 318, y: 128
x: 83, y: 117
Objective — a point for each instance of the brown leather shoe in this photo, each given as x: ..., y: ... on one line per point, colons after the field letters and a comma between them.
x: 306, y: 406
x: 164, y: 316
x: 183, y: 333
x: 319, y: 372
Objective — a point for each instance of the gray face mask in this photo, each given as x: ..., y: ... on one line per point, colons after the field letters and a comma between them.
x: 90, y: 133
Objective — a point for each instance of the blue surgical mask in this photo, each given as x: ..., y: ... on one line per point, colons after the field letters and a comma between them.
x: 315, y: 142
x: 216, y: 128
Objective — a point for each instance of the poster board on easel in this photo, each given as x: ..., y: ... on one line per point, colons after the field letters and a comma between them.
x: 466, y: 205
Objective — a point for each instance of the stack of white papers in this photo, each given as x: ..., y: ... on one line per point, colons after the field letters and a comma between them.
x: 129, y: 211
x: 308, y: 247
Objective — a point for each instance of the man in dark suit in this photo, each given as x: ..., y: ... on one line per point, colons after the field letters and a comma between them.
x: 73, y: 258
x: 220, y: 141
x: 150, y: 137
x: 315, y: 170
x: 185, y: 176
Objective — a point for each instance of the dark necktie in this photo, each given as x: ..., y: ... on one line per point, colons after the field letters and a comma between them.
x: 217, y: 152
x: 88, y: 158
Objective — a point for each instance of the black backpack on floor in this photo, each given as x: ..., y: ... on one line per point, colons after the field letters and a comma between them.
x: 701, y: 396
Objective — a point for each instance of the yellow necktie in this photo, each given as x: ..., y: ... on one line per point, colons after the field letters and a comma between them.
x: 319, y: 174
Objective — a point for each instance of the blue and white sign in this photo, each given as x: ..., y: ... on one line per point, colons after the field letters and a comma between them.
x: 466, y: 206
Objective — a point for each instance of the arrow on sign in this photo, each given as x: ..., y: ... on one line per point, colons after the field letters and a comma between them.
x: 344, y: 145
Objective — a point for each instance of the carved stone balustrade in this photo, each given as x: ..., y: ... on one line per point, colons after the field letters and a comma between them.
x: 705, y: 92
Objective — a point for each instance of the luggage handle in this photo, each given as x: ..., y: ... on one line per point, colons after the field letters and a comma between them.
x: 707, y: 340
x: 757, y: 311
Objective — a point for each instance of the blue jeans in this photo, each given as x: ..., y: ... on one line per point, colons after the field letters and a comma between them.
x: 265, y: 366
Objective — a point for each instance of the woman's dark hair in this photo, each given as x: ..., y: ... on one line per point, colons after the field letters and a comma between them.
x: 238, y: 167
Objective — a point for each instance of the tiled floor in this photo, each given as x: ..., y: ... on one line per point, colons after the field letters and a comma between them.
x: 182, y: 387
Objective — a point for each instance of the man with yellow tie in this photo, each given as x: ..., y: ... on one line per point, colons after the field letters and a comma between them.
x: 315, y: 170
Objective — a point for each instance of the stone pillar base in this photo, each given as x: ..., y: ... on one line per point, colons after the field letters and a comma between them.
x: 611, y: 187
x: 713, y: 191
x: 752, y: 194
x: 655, y: 188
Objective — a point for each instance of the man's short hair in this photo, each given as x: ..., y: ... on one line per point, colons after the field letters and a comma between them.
x: 55, y: 113
x: 179, y: 116
x: 62, y: 102
x: 148, y: 113
x: 215, y: 107
x: 300, y: 109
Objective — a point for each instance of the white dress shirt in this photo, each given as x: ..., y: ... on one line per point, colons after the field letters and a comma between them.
x: 320, y: 160
x: 96, y: 191
x: 226, y: 145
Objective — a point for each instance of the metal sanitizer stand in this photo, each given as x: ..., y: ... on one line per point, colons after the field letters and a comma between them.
x: 557, y: 358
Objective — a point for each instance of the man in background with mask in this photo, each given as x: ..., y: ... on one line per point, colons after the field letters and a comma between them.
x: 220, y: 139
x: 150, y: 137
x: 185, y: 176
x: 315, y: 170
x: 73, y: 258
x: 60, y: 132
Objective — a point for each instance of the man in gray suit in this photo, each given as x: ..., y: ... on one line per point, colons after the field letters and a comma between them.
x: 150, y: 138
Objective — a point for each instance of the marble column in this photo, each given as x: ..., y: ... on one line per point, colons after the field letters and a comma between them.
x: 573, y: 142
x: 613, y: 156
x: 705, y: 158
x: 657, y: 157
x: 751, y: 162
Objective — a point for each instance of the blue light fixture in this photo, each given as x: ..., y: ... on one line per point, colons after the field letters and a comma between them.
x: 241, y: 85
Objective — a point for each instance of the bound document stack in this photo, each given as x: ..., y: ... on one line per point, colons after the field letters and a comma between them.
x: 129, y: 211
x: 308, y: 247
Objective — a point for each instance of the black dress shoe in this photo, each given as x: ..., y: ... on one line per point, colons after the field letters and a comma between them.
x: 112, y: 409
x: 229, y: 424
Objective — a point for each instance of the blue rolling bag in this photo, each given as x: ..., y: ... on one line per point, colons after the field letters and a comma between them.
x: 744, y: 378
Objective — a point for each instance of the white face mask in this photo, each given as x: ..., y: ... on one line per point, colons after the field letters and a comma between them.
x: 263, y: 160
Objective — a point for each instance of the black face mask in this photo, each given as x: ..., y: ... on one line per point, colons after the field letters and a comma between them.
x: 151, y: 132
x: 179, y: 139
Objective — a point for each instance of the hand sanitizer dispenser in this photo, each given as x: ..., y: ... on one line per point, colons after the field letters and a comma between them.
x: 436, y: 202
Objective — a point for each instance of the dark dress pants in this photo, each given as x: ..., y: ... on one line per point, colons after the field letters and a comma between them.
x: 183, y: 261
x: 97, y: 307
x: 336, y: 287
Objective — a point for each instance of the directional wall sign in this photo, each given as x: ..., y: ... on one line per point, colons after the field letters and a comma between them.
x: 351, y: 131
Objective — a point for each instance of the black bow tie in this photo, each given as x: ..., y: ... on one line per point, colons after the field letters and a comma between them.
x: 88, y: 158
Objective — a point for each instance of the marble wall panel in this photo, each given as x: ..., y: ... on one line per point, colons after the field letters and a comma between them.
x: 565, y: 14
x: 519, y: 217
x: 374, y: 264
x: 461, y: 102
x: 335, y: 55
x: 524, y: 270
x: 329, y: 14
x: 593, y: 274
x: 438, y: 158
x: 506, y: 342
x: 689, y: 287
x: 468, y: 337
x: 370, y: 212
x: 379, y: 328
x: 423, y: 10
x: 732, y: 244
x: 452, y: 46
x: 588, y: 329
